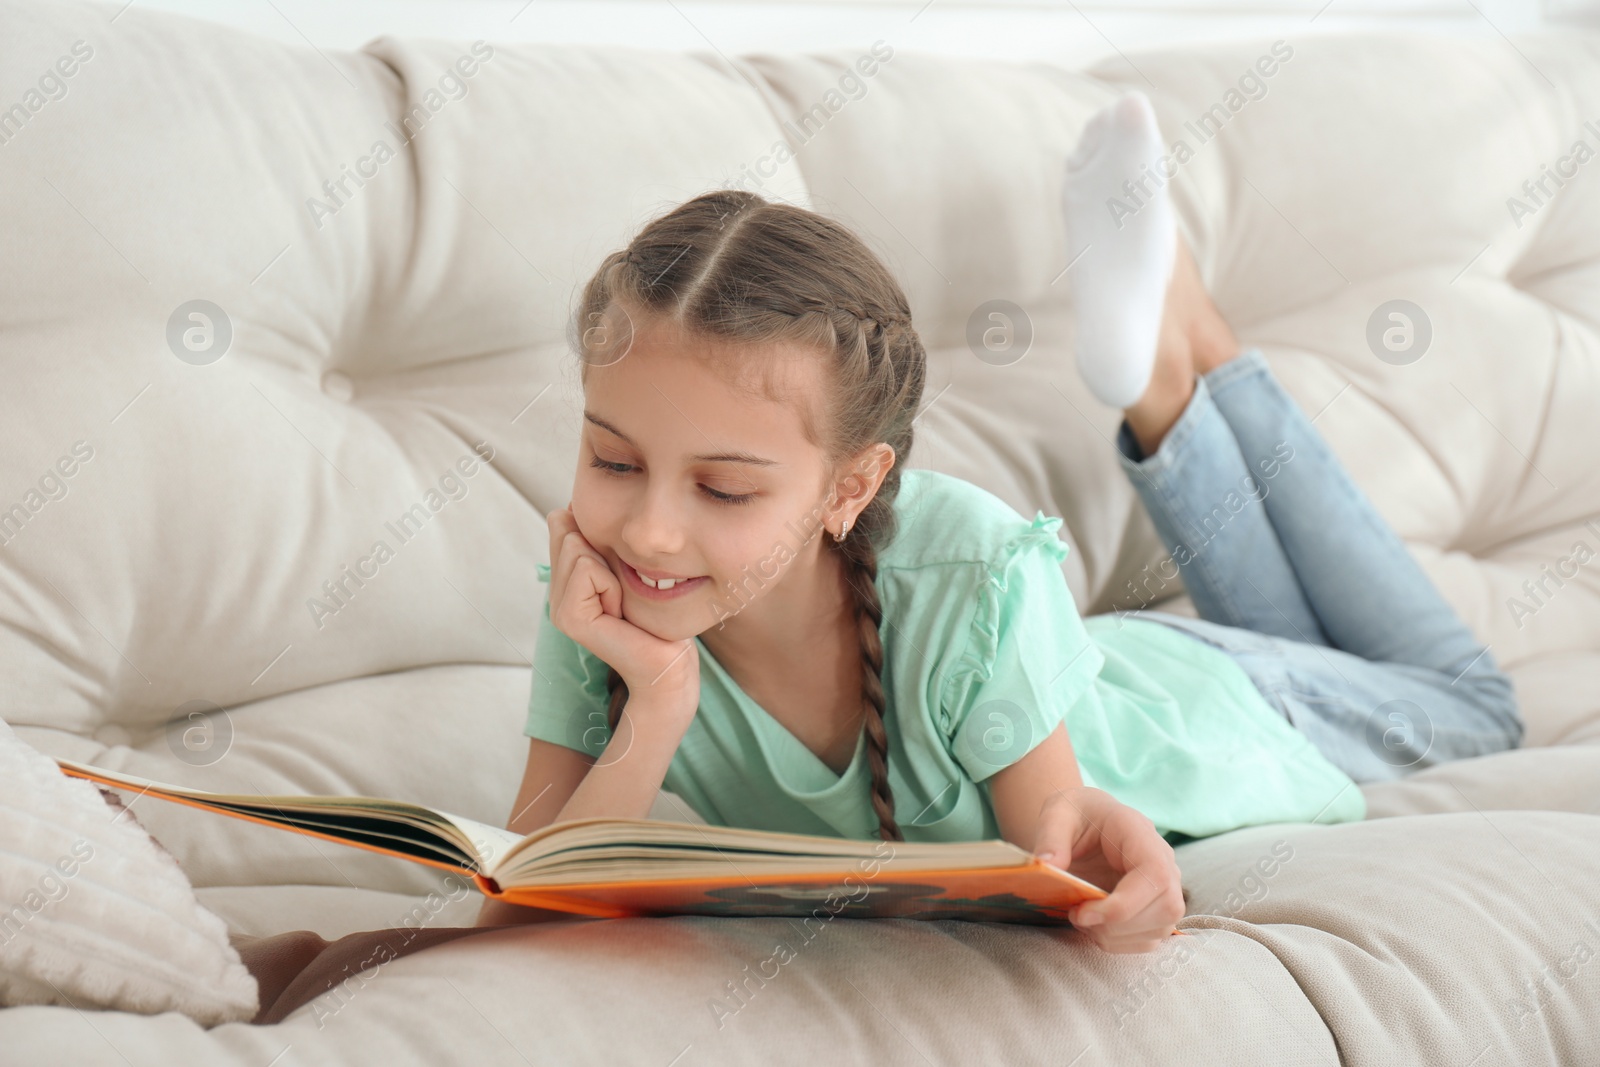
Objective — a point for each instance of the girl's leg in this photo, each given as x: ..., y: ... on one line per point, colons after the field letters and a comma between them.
x: 1207, y: 503
x: 1269, y: 532
x: 1416, y: 691
x: 1351, y: 583
x: 1284, y: 557
x: 1370, y: 596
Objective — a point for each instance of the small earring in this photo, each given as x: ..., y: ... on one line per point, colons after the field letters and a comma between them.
x: 843, y: 531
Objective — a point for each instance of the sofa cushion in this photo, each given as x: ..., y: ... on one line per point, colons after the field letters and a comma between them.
x: 97, y: 914
x: 1305, y: 945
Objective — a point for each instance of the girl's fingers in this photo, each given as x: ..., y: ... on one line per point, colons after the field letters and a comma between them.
x: 1132, y: 896
x: 604, y: 632
x: 564, y: 556
x: 1151, y: 881
x: 1155, y: 923
x: 567, y: 549
x: 1156, y: 919
x: 560, y: 524
x: 1136, y: 947
x: 1144, y: 930
x: 1061, y: 823
x: 602, y: 582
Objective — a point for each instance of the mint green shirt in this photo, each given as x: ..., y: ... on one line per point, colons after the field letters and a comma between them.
x: 984, y: 655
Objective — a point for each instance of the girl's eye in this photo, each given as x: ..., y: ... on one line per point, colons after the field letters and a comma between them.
x: 609, y: 468
x: 721, y: 498
x: 729, y: 498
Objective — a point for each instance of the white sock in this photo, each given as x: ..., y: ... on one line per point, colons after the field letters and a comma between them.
x: 1120, y: 283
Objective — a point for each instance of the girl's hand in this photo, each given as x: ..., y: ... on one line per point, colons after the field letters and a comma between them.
x: 586, y: 605
x: 1096, y: 837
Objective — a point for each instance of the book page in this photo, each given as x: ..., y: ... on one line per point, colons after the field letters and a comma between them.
x: 408, y: 830
x: 491, y: 843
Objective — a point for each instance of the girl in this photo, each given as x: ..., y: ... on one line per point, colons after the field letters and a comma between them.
x: 756, y: 604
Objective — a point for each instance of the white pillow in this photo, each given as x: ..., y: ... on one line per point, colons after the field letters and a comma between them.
x: 94, y: 913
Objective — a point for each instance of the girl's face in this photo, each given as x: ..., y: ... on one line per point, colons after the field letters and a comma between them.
x: 683, y: 475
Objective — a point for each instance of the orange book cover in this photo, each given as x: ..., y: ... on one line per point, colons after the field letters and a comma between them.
x: 602, y: 868
x: 1035, y: 894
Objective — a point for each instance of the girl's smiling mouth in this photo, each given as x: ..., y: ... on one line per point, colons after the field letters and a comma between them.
x: 665, y: 589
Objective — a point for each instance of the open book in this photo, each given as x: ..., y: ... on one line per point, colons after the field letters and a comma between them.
x: 613, y: 868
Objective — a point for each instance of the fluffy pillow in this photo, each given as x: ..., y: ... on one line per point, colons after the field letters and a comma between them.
x: 94, y: 913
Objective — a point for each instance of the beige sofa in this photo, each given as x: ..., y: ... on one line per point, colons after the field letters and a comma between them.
x: 191, y: 587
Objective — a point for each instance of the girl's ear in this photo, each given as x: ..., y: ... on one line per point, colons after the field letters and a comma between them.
x: 858, y: 484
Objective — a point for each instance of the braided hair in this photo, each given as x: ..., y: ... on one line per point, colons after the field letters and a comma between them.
x: 732, y: 266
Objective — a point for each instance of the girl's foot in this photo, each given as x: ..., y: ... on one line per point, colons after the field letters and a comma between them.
x: 1194, y: 338
x: 1146, y: 325
x: 1120, y: 222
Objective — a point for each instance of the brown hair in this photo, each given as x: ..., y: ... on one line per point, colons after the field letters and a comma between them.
x: 732, y: 266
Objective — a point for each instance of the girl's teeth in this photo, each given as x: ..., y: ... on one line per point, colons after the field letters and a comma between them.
x: 665, y: 583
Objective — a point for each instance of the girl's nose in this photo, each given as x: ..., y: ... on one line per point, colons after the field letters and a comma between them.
x: 655, y: 528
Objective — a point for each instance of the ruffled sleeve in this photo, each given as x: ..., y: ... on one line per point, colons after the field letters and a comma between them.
x: 569, y: 697
x: 1028, y: 658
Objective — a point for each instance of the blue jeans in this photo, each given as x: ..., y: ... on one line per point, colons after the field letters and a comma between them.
x: 1298, y: 578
